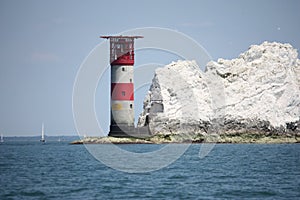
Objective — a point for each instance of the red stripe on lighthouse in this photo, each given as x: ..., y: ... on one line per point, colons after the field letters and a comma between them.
x: 122, y: 91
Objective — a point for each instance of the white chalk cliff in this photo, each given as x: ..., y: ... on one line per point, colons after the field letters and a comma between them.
x: 258, y: 91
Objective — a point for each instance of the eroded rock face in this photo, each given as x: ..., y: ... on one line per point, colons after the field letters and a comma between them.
x: 258, y: 91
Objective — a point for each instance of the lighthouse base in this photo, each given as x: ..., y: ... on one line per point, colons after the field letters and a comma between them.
x: 128, y: 131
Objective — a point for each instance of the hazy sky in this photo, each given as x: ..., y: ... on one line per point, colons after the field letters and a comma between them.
x: 43, y: 44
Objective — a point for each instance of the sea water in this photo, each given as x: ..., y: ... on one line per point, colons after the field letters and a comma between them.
x: 58, y: 170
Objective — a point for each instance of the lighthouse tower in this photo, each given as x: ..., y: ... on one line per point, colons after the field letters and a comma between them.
x: 122, y: 85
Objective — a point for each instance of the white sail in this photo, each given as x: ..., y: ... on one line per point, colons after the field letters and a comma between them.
x: 43, y: 134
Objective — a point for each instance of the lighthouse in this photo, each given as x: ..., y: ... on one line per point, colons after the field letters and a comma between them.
x: 122, y: 85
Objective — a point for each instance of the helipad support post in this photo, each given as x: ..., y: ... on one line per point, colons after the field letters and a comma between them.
x: 122, y: 85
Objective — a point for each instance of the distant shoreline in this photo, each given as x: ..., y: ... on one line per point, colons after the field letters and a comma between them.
x: 37, y: 136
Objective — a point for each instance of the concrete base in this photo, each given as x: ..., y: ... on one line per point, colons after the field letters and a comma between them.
x: 128, y: 131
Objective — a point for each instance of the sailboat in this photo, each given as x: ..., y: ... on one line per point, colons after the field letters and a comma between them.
x: 43, y: 134
x: 1, y: 139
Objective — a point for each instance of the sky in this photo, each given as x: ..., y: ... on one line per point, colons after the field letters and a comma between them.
x: 44, y: 43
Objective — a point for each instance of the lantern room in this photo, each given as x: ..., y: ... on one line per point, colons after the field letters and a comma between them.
x: 121, y: 49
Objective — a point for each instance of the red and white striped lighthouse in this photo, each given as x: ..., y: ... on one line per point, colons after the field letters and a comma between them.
x: 122, y: 85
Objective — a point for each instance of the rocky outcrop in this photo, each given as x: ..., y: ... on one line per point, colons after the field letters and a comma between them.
x: 177, y: 138
x: 257, y: 92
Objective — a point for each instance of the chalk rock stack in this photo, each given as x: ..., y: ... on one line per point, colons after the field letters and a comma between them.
x: 257, y: 92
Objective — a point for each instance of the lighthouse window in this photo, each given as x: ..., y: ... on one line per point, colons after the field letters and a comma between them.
x: 130, y: 80
x: 123, y: 69
x: 131, y: 106
x: 123, y: 93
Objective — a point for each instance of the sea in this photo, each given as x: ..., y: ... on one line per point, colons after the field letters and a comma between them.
x: 58, y: 170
